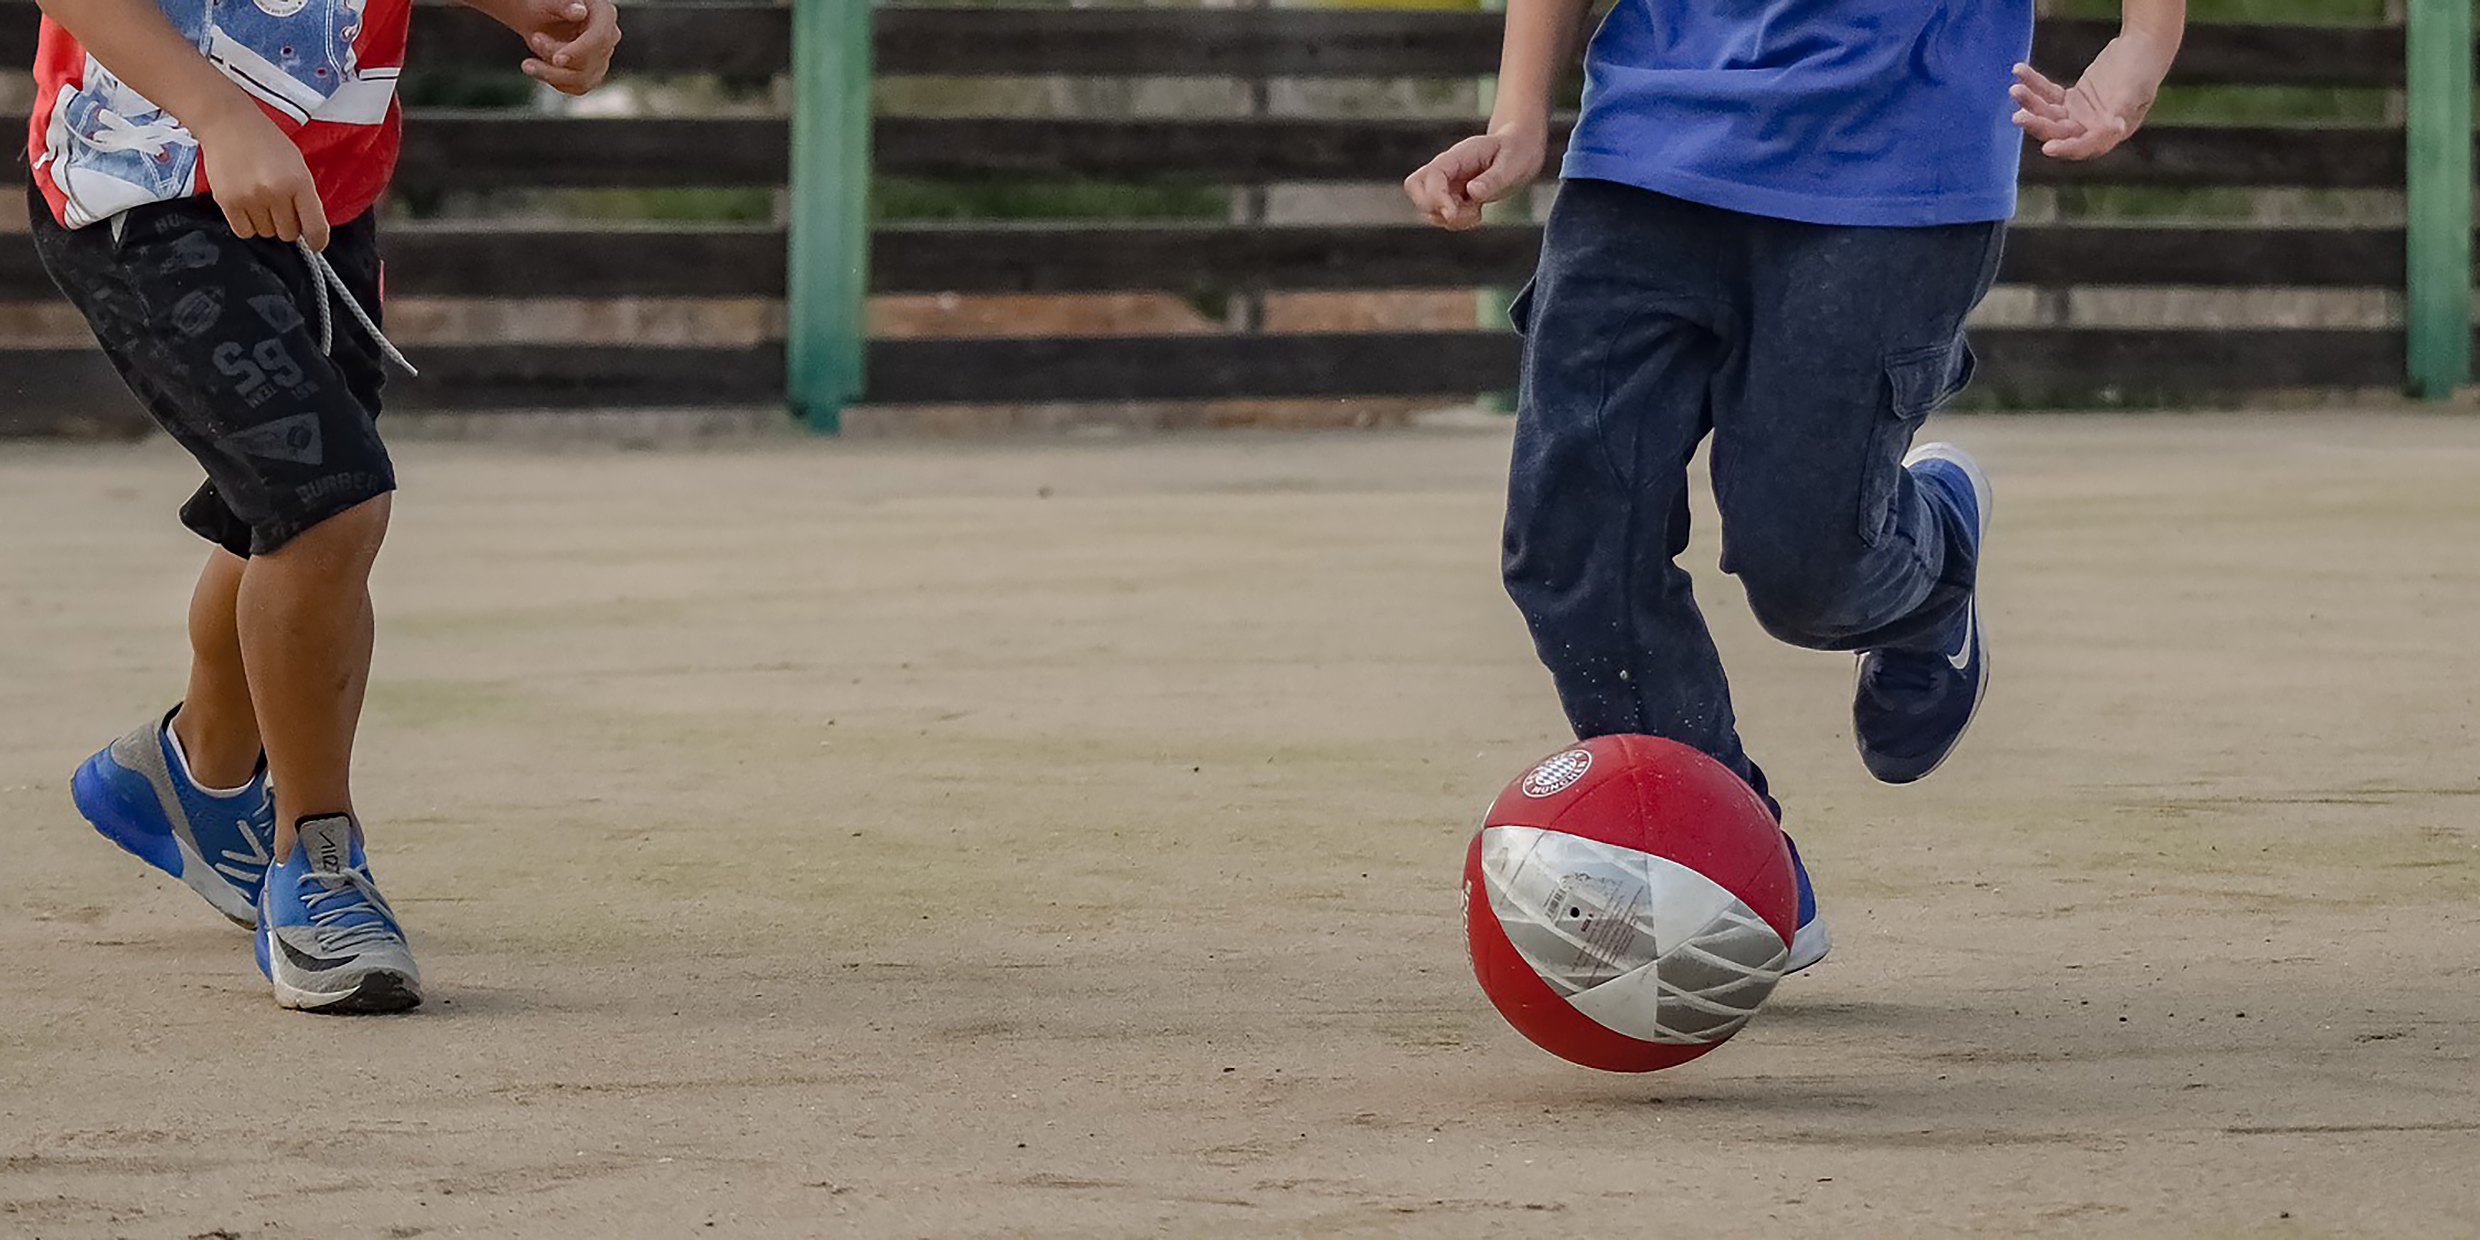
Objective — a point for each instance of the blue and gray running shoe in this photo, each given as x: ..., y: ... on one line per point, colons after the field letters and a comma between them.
x: 139, y: 796
x: 1810, y: 943
x: 326, y: 937
x: 1912, y: 706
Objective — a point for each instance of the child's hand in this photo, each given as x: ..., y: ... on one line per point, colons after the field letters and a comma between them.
x: 257, y: 176
x: 1452, y: 189
x: 2102, y: 109
x: 572, y: 42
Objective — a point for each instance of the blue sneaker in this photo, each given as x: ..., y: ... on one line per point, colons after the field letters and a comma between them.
x: 326, y: 937
x: 1911, y: 706
x: 138, y: 793
x: 1810, y: 942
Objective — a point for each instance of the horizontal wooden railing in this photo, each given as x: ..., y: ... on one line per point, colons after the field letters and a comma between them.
x: 482, y: 150
x: 647, y: 261
x: 1287, y: 149
x: 754, y: 41
x: 1214, y: 366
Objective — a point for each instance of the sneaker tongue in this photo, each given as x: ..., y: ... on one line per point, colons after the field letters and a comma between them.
x: 327, y: 842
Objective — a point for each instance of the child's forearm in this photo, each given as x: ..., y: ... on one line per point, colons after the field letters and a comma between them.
x: 134, y: 40
x: 2160, y: 24
x: 509, y: 13
x: 1541, y: 37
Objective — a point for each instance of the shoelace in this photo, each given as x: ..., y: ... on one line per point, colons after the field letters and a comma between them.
x: 1906, y: 674
x: 332, y: 289
x: 355, y: 914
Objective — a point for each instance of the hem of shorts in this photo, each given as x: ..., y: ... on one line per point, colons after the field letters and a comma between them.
x: 1791, y: 205
x: 272, y: 537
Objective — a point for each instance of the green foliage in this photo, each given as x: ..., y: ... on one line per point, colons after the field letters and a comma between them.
x: 910, y: 198
x: 2259, y: 105
x: 673, y: 206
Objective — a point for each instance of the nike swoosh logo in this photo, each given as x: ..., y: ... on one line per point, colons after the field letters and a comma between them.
x: 1961, y: 657
x: 304, y: 960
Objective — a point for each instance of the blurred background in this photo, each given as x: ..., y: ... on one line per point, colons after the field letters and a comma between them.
x: 968, y: 218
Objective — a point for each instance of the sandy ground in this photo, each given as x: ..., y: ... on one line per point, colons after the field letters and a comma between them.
x: 1062, y: 841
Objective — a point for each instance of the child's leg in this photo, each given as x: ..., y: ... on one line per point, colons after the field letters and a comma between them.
x: 327, y: 939
x: 187, y: 793
x: 1854, y: 336
x: 305, y: 634
x: 299, y: 619
x: 286, y: 636
x: 217, y: 726
x: 1626, y: 329
x: 1843, y: 541
x: 219, y: 336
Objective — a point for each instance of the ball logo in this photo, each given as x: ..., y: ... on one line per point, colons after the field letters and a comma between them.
x: 282, y: 8
x: 1558, y: 774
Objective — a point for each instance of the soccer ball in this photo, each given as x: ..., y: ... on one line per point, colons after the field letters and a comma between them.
x: 1628, y: 903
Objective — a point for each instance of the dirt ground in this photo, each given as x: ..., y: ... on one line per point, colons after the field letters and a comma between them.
x: 1062, y: 840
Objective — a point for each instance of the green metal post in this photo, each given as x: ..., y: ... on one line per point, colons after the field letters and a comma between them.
x: 828, y: 283
x: 2437, y: 299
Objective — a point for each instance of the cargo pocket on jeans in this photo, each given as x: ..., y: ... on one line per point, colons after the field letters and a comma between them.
x: 1520, y: 310
x: 1917, y: 382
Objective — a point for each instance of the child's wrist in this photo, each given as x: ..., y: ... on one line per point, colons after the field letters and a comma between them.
x: 493, y: 9
x: 227, y: 120
x: 2147, y: 51
x: 1520, y: 127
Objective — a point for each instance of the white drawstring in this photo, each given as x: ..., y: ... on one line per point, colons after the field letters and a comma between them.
x: 332, y: 288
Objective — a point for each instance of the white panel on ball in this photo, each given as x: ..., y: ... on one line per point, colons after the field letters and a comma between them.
x: 1641, y: 944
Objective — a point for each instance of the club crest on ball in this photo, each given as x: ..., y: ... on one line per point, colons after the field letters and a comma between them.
x: 1558, y: 774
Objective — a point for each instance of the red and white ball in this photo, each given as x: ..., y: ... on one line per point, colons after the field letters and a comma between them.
x: 1629, y: 903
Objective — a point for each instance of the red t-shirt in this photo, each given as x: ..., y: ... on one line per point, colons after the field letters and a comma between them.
x: 324, y: 70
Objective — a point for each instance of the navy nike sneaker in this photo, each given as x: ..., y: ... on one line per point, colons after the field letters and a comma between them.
x: 1810, y: 942
x: 1912, y: 706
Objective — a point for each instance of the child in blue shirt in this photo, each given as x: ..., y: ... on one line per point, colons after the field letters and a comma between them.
x: 1775, y: 217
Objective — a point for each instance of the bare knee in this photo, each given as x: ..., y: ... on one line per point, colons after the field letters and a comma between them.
x: 343, y: 540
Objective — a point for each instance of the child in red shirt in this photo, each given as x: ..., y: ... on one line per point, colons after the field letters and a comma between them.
x: 204, y: 184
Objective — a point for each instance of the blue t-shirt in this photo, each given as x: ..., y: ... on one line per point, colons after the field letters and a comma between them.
x: 1829, y: 111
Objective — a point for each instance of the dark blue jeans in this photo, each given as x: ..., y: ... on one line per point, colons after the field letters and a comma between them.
x: 1811, y: 354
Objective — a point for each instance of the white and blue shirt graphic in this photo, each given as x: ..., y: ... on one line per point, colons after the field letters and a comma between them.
x: 109, y: 148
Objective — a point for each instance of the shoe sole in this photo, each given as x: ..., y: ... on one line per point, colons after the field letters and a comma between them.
x: 91, y: 789
x: 1809, y: 942
x: 1981, y: 500
x: 1808, y: 946
x: 377, y: 992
